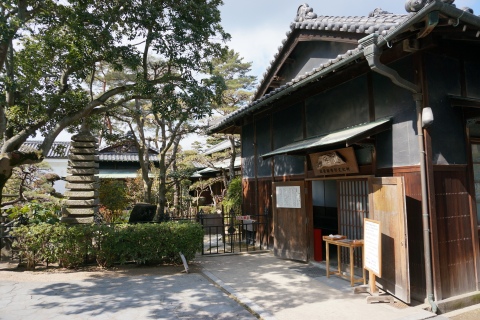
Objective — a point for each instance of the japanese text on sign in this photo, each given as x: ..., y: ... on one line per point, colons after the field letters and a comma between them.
x: 372, y: 246
x: 288, y: 197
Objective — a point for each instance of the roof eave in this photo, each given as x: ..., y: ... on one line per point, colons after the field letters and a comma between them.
x: 437, y: 5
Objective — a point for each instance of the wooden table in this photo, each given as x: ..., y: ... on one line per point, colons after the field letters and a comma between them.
x: 346, y: 243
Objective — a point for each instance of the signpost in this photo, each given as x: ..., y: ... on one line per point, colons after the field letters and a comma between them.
x: 372, y: 260
x: 372, y: 248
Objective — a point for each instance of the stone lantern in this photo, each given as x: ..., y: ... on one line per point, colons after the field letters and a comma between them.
x: 82, y: 181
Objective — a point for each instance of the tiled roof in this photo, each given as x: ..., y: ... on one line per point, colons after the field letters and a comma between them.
x: 61, y: 150
x: 385, y: 24
x: 58, y: 150
x: 220, y: 147
x: 378, y: 21
x: 197, y: 164
x: 224, y: 164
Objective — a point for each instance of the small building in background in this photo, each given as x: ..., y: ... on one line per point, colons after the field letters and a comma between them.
x: 121, y: 161
x: 57, y: 159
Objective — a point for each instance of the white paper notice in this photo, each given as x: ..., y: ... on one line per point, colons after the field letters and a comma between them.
x: 372, y: 247
x: 288, y: 197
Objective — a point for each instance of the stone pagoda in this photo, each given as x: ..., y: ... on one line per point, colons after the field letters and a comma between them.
x: 82, y: 181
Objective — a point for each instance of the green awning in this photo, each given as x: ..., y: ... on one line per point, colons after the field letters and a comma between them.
x: 348, y: 136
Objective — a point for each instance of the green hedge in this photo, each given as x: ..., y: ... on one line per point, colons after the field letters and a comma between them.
x: 73, y: 246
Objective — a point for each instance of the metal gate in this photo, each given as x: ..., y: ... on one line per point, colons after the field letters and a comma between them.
x: 231, y: 233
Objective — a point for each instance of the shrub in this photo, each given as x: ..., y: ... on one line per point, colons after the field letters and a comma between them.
x: 37, y: 212
x: 113, y: 198
x: 35, y: 243
x: 72, y: 246
x: 233, y: 200
x: 208, y: 209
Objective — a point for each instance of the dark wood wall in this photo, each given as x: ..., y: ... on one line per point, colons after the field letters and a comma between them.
x: 257, y: 200
x: 453, y: 252
x: 454, y: 231
x: 413, y: 196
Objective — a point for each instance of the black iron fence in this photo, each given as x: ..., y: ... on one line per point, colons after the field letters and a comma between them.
x: 224, y: 232
x: 228, y: 232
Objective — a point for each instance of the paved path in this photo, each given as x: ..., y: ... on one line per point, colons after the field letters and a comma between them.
x: 286, y: 290
x: 158, y: 293
x: 248, y: 286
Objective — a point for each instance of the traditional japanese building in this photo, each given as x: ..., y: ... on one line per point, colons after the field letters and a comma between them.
x: 373, y: 117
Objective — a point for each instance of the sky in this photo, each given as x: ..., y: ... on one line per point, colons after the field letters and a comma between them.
x: 258, y: 27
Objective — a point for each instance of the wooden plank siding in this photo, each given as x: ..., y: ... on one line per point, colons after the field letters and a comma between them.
x: 413, y: 196
x: 455, y: 260
x: 249, y: 196
x: 455, y: 239
x: 265, y: 205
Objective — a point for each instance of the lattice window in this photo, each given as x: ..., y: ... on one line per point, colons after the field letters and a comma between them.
x: 352, y: 208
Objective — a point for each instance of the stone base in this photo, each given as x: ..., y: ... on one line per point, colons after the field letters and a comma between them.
x: 458, y: 302
x: 77, y: 220
x: 79, y: 211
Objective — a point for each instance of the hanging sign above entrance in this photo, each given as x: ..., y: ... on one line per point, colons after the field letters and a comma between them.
x: 334, y: 162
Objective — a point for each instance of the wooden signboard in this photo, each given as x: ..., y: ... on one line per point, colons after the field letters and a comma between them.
x: 372, y: 247
x: 288, y: 197
x: 334, y: 162
x: 243, y: 217
x: 372, y: 251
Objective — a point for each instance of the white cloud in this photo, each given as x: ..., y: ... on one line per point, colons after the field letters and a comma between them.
x: 260, y: 48
x: 258, y: 27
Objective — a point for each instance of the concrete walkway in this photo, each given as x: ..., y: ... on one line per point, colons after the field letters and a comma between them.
x: 282, y: 289
x: 247, y: 286
x: 149, y: 293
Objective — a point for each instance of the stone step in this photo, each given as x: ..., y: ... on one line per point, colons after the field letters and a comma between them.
x: 84, y: 137
x: 82, y: 186
x: 82, y: 203
x: 83, y: 157
x: 87, y: 179
x: 78, y: 171
x: 84, y: 144
x: 81, y: 194
x: 76, y: 220
x: 87, y: 164
x: 79, y: 211
x: 79, y: 151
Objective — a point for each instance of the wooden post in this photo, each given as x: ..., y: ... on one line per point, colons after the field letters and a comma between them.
x: 371, y: 282
x: 327, y: 253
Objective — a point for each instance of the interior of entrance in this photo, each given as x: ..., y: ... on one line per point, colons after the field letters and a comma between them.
x: 325, y: 210
x: 339, y: 207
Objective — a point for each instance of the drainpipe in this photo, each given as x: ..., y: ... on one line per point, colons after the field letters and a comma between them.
x: 372, y: 53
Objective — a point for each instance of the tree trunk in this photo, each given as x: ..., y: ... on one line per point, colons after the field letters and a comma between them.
x: 147, y: 193
x: 233, y: 151
x: 176, y: 190
x: 162, y: 188
x: 10, y: 160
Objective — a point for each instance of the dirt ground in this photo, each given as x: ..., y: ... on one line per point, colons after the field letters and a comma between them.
x: 12, y: 272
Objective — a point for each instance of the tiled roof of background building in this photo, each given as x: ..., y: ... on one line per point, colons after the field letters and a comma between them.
x: 58, y: 150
